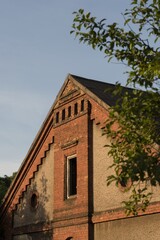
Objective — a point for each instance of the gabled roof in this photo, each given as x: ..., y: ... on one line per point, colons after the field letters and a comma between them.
x: 99, y: 91
x: 102, y: 90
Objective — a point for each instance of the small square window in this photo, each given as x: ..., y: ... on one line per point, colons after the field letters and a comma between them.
x: 71, y: 176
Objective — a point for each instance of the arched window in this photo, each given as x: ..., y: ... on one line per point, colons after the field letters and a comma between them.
x: 69, y: 238
x: 34, y: 200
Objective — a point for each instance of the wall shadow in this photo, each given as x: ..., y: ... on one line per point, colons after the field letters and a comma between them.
x: 32, y: 218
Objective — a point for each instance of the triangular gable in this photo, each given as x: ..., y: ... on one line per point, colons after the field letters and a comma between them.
x: 75, y: 85
x: 68, y: 91
x: 72, y: 87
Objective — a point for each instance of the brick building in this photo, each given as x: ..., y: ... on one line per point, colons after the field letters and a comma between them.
x: 60, y: 189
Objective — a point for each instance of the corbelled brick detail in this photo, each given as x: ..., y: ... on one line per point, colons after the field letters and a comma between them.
x: 74, y: 126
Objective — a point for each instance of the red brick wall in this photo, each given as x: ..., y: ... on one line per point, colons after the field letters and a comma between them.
x: 72, y: 216
x: 78, y: 232
x: 71, y: 138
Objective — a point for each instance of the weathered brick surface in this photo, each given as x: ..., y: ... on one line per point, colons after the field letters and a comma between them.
x: 73, y: 135
x: 71, y: 138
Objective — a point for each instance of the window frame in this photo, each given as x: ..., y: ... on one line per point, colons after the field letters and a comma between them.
x: 69, y: 182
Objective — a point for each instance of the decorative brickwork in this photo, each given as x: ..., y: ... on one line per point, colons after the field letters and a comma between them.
x: 39, y: 205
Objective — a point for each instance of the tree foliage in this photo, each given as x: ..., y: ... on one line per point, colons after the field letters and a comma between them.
x: 135, y: 140
x: 5, y: 182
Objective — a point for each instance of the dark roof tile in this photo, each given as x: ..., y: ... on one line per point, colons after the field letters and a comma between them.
x: 102, y: 90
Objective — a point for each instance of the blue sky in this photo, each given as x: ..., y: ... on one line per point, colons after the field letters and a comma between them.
x: 36, y: 54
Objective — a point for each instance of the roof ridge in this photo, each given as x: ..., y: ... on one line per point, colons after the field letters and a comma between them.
x: 89, y: 79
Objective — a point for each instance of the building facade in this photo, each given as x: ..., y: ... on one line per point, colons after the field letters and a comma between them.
x: 60, y: 190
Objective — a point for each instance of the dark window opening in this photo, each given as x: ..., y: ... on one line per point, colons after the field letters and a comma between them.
x: 57, y: 117
x: 82, y: 105
x: 75, y: 109
x: 63, y: 114
x: 72, y: 177
x: 34, y: 200
x: 123, y: 182
x: 69, y: 111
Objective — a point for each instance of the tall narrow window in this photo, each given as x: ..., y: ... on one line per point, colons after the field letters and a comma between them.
x: 82, y: 105
x: 57, y: 117
x: 63, y: 114
x: 69, y: 111
x: 71, y: 176
x: 75, y: 108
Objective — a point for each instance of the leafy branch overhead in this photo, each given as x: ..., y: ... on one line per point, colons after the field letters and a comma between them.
x: 136, y: 139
